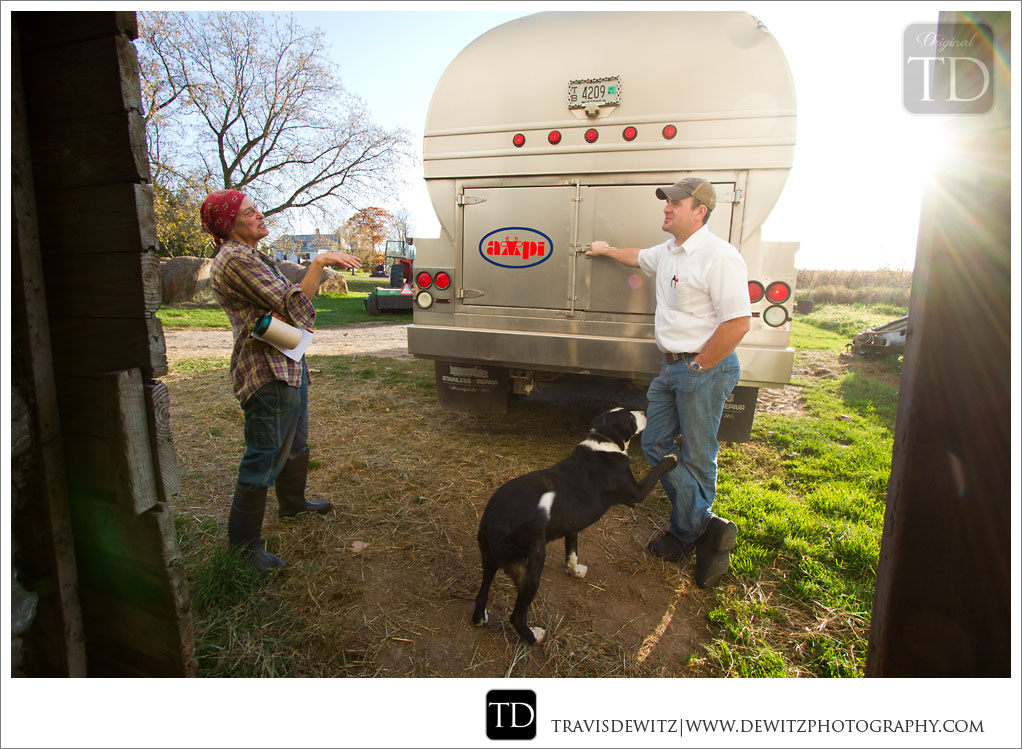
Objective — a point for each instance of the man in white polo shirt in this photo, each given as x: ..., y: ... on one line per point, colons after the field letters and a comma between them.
x: 702, y: 313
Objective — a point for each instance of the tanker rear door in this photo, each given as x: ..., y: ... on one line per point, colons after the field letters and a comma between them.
x: 516, y: 246
x: 631, y: 216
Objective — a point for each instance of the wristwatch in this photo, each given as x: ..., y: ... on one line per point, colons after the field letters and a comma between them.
x: 694, y: 366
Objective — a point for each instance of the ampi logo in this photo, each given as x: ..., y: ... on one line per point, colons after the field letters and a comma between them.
x: 516, y: 247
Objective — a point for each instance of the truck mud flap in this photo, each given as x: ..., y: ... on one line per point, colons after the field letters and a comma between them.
x: 478, y: 388
x: 736, y: 423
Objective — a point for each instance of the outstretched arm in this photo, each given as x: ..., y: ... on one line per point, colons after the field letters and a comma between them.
x: 626, y: 256
x: 310, y: 283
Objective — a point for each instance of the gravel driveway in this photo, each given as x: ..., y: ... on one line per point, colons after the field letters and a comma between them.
x: 378, y: 339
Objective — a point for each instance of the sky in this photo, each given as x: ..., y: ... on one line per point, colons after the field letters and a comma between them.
x: 853, y: 130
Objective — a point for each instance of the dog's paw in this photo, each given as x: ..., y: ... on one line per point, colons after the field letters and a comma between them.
x: 485, y: 619
x: 539, y: 633
x: 577, y: 570
x: 669, y: 461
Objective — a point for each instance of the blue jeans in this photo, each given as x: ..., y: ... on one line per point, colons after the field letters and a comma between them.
x: 690, y: 404
x: 276, y: 430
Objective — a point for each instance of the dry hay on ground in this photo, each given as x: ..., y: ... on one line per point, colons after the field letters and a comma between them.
x: 384, y: 585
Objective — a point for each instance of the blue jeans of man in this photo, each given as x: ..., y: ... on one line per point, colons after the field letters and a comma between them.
x: 276, y: 430
x: 690, y: 404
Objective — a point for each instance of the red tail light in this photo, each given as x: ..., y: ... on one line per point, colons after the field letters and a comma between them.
x: 669, y: 132
x: 629, y: 133
x: 778, y: 292
x: 442, y: 280
x: 755, y: 291
x: 423, y: 280
x: 591, y: 135
x: 554, y: 137
x: 518, y: 140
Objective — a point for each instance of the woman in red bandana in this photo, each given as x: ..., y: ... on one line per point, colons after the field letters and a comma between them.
x: 271, y: 387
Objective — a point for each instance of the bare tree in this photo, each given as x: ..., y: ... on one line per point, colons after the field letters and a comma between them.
x: 238, y: 102
x: 401, y: 221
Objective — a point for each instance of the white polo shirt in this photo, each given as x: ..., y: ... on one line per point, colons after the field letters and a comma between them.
x: 699, y: 285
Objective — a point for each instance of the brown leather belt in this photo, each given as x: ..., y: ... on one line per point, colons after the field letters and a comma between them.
x: 678, y: 357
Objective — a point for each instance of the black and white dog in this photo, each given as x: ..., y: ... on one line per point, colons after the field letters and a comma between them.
x: 531, y: 510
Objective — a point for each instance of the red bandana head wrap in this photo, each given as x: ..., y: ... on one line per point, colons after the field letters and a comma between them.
x: 219, y: 210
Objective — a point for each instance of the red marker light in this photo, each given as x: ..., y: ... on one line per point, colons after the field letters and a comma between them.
x: 554, y: 137
x: 591, y: 135
x: 670, y: 131
x: 518, y: 140
x: 630, y: 133
x: 442, y: 280
x: 423, y: 280
x: 778, y: 292
x: 755, y: 291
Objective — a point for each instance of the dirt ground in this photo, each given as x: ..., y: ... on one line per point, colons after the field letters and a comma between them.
x: 649, y: 613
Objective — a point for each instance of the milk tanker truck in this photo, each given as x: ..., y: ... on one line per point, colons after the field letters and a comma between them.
x: 554, y: 130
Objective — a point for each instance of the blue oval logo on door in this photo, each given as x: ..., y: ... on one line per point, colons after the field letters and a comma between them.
x: 516, y: 247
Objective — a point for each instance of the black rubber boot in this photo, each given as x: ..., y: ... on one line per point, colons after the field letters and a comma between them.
x: 670, y: 547
x: 713, y: 551
x: 290, y: 488
x: 244, y: 527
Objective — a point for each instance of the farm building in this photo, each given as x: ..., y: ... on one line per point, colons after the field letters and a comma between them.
x: 98, y: 588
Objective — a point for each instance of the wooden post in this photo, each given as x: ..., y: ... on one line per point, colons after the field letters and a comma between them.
x: 943, y: 590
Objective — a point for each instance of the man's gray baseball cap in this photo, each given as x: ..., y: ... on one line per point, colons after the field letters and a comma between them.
x: 694, y: 187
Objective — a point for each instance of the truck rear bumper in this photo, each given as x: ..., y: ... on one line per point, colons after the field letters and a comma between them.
x: 596, y: 355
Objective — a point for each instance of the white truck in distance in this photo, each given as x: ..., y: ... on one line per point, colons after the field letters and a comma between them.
x: 554, y: 130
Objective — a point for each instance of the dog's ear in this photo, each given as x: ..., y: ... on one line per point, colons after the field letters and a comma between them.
x: 617, y: 424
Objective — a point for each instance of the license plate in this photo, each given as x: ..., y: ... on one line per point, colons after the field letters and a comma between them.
x: 594, y: 91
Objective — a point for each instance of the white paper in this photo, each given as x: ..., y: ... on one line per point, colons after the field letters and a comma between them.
x: 295, y: 353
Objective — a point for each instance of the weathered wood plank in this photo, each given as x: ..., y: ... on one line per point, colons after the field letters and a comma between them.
x: 42, y: 29
x: 135, y: 438
x: 100, y: 285
x: 99, y: 219
x: 41, y: 527
x: 93, y: 346
x: 90, y: 151
x: 157, y: 348
x: 134, y: 592
x: 77, y: 79
x: 88, y: 346
x: 158, y: 396
x: 119, y: 462
x: 151, y: 289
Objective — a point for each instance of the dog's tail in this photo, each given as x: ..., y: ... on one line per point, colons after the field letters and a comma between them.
x: 516, y: 543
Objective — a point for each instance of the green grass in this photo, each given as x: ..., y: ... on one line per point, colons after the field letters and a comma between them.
x: 193, y: 317
x: 810, y: 514
x: 830, y: 326
x: 332, y: 310
x: 846, y: 320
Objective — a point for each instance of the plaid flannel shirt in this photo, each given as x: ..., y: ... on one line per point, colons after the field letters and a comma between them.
x: 247, y: 285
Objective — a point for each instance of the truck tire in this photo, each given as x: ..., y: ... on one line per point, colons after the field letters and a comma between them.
x: 372, y: 305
